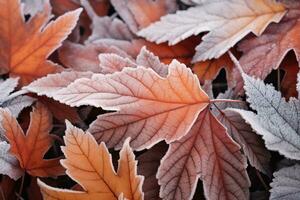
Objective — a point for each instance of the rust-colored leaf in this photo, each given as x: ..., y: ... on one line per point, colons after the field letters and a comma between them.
x: 24, y: 52
x: 30, y: 149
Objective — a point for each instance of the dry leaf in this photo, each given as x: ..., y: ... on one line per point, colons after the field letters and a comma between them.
x: 9, y: 165
x: 141, y: 13
x: 24, y: 52
x: 90, y: 165
x: 206, y: 152
x: 236, y: 19
x: 263, y: 54
x: 30, y: 149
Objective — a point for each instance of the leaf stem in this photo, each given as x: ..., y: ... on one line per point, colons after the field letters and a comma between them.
x: 21, y: 187
x: 16, y: 94
x: 262, y: 180
x: 226, y: 100
x: 278, y: 80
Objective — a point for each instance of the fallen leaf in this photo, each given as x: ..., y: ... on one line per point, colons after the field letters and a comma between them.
x: 236, y: 19
x: 13, y: 101
x: 263, y: 54
x: 285, y: 185
x: 276, y: 120
x: 90, y: 165
x: 24, y: 53
x: 30, y: 149
x: 150, y: 114
x: 206, y: 152
x: 85, y: 57
x: 141, y: 13
x: 9, y: 164
x: 106, y: 27
x: 252, y: 145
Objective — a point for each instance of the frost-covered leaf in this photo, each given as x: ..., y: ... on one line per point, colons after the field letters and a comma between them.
x: 85, y: 57
x: 149, y: 60
x: 209, y: 153
x: 145, y: 113
x: 52, y: 83
x: 16, y: 105
x: 276, y: 120
x: 140, y: 13
x: 6, y: 87
x: 110, y: 63
x: 182, y: 51
x: 90, y: 165
x: 33, y: 6
x: 227, y: 21
x: 252, y: 145
x: 14, y: 102
x: 148, y: 164
x: 285, y: 185
x: 263, y: 54
x: 30, y: 149
x: 26, y: 45
x: 9, y: 165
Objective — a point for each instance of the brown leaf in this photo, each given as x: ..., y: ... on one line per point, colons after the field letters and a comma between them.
x: 264, y: 53
x: 30, y: 149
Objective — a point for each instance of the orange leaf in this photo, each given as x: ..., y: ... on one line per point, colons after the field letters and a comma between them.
x: 24, y: 52
x: 150, y: 108
x: 30, y: 149
x: 90, y: 165
x: 208, y: 70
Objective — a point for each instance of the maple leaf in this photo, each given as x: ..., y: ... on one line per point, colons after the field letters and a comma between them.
x: 29, y: 149
x: 9, y: 164
x: 148, y: 166
x: 25, y: 52
x: 263, y: 54
x: 285, y: 185
x: 90, y: 165
x: 237, y: 19
x: 136, y: 94
x: 209, y: 153
x: 276, y: 120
